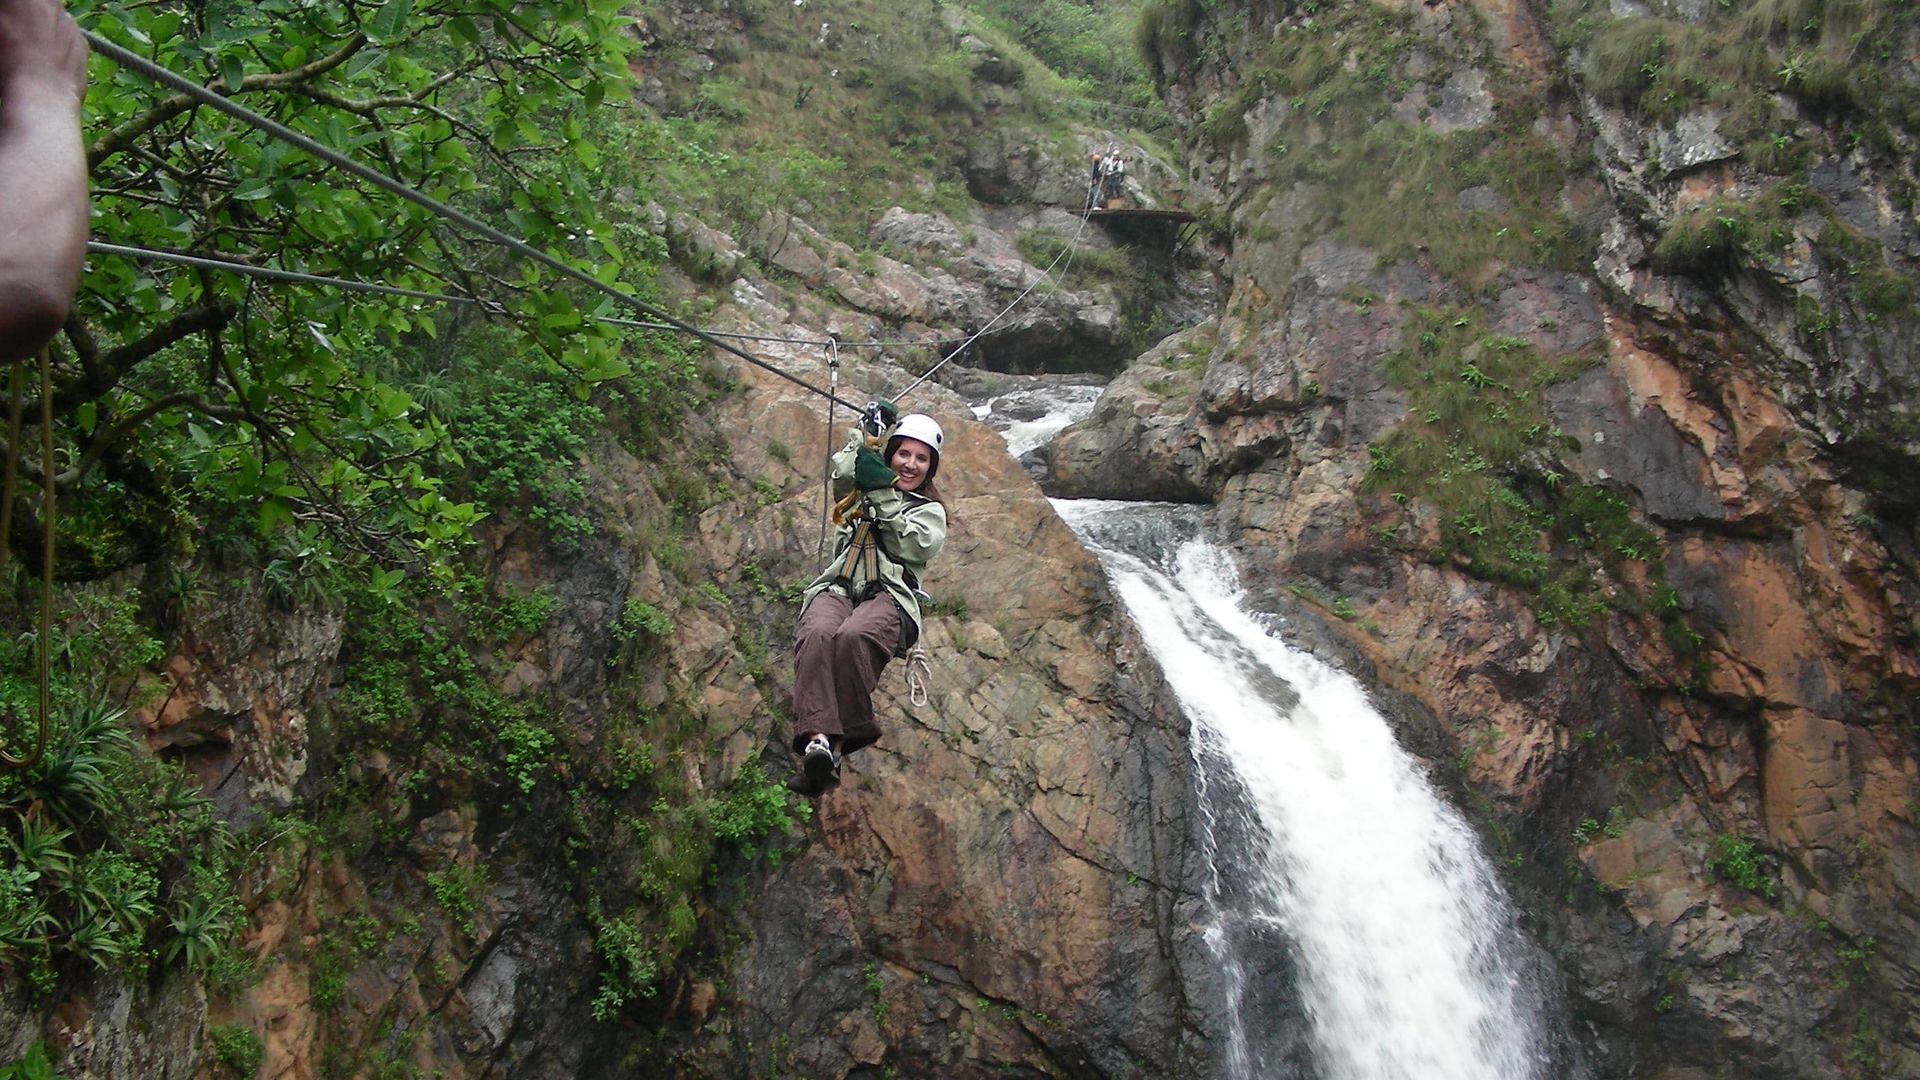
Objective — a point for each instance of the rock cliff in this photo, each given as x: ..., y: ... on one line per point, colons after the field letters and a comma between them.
x: 1562, y: 388
x: 1006, y: 883
x: 1564, y: 380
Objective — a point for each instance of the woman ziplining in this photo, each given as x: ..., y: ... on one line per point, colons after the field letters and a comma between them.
x: 864, y: 607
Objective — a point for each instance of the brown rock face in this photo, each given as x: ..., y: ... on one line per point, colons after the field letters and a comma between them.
x: 995, y: 883
x: 1721, y: 752
x: 1002, y: 884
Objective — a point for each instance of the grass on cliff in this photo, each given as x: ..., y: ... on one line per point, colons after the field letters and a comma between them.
x: 837, y: 110
x: 1479, y: 453
x: 1840, y: 60
x: 1346, y: 127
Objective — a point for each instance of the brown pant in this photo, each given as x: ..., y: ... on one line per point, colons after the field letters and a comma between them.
x: 838, y: 652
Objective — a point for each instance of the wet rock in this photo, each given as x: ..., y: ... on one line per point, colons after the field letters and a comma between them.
x: 1619, y: 441
x: 1139, y: 442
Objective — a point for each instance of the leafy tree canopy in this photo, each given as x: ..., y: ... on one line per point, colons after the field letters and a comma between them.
x: 189, y: 397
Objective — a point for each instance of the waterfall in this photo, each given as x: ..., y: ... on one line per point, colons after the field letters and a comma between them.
x: 1345, y: 893
x: 1030, y: 417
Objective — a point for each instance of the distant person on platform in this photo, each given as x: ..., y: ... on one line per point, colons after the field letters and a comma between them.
x: 1114, y: 170
x: 43, y: 172
x: 1095, y: 165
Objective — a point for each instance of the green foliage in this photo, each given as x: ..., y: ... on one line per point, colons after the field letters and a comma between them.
x: 1838, y: 58
x: 1092, y: 46
x: 253, y: 408
x: 520, y: 433
x: 1735, y: 859
x: 237, y: 1048
x: 639, y: 617
x: 876, y: 989
x: 33, y: 1065
x: 99, y: 637
x: 1856, y: 959
x: 1042, y: 247
x: 415, y: 681
x: 655, y: 843
x: 457, y: 890
x: 1710, y: 239
x: 752, y: 807
x: 116, y: 859
x: 1613, y: 828
x: 954, y: 606
x: 627, y: 966
x: 529, y: 750
x: 511, y: 614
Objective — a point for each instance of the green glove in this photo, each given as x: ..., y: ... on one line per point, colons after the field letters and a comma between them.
x: 870, y: 473
x: 879, y: 416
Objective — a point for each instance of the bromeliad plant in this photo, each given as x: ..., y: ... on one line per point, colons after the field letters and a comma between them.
x: 112, y: 860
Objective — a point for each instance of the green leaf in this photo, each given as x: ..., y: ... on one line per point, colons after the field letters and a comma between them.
x: 390, y: 21
x: 233, y: 71
x: 363, y: 61
x: 86, y: 415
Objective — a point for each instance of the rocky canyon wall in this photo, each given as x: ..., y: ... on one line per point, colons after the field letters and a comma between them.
x: 1566, y: 382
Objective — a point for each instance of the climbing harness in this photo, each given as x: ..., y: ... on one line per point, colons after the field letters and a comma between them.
x: 15, y: 396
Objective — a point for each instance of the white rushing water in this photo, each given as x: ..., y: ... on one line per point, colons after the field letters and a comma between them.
x: 1350, y: 905
x: 1031, y: 417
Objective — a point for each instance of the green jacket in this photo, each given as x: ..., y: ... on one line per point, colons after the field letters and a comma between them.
x: 910, y: 529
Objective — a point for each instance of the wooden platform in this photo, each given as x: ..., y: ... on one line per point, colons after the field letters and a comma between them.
x: 1135, y: 214
x: 1157, y: 226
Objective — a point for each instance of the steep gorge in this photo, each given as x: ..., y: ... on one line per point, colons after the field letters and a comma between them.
x: 1564, y: 381
x: 1532, y: 397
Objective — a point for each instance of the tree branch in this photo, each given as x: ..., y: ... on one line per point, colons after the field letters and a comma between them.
x: 102, y: 372
x: 162, y: 111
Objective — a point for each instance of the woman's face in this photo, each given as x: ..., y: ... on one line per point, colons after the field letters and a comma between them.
x: 910, y: 462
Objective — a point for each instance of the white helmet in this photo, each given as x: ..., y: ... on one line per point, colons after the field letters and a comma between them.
x: 919, y: 426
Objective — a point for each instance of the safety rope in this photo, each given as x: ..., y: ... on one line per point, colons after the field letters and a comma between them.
x: 1065, y: 253
x: 826, y: 481
x: 271, y: 273
x: 16, y: 395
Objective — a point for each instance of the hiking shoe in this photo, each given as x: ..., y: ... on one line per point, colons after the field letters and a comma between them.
x: 820, y: 765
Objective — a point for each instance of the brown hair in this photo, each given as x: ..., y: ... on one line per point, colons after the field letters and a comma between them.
x: 926, y: 487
